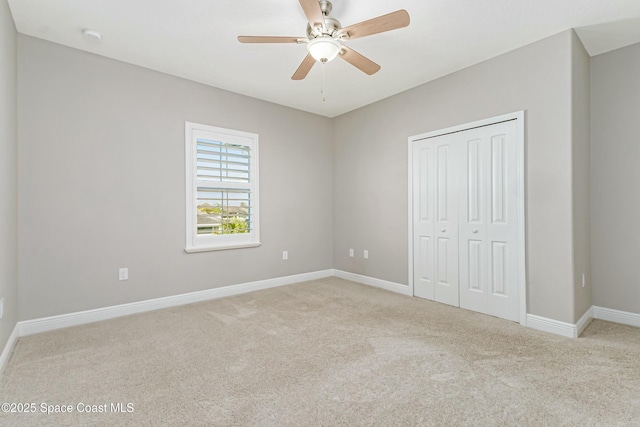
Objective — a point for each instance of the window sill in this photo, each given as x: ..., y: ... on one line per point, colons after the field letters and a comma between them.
x: 195, y: 249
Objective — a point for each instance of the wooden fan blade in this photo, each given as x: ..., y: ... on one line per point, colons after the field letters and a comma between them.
x: 304, y: 68
x: 388, y: 22
x: 313, y: 12
x: 268, y: 39
x: 362, y: 63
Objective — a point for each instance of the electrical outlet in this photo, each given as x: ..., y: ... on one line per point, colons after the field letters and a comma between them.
x: 351, y: 253
x: 123, y: 274
x: 285, y: 255
x: 365, y: 254
x: 1, y: 308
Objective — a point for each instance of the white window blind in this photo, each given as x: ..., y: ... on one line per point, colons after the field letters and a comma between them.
x: 222, y: 188
x: 222, y: 162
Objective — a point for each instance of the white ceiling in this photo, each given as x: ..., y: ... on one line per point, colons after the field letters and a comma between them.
x: 196, y: 40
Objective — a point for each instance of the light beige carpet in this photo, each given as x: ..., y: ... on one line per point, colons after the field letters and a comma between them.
x: 325, y: 353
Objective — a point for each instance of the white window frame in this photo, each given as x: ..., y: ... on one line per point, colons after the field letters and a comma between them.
x: 201, y: 243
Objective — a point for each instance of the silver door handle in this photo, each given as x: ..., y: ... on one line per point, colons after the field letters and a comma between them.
x: 444, y: 230
x: 475, y: 231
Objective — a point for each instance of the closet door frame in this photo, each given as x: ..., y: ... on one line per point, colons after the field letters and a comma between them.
x: 518, y: 117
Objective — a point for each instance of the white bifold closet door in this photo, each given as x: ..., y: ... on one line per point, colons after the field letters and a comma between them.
x: 465, y: 219
x: 436, y: 219
x: 488, y: 221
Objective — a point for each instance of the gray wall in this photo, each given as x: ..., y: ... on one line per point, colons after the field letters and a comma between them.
x: 8, y: 175
x: 102, y: 183
x: 580, y: 80
x: 615, y: 178
x: 370, y: 163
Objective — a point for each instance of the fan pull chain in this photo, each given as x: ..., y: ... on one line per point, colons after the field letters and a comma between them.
x: 324, y: 64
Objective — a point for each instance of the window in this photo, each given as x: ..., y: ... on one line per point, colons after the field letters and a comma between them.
x: 222, y: 188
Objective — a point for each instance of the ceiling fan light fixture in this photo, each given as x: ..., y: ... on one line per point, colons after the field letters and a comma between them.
x: 324, y: 48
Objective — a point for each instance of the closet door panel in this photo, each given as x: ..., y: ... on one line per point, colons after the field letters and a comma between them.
x: 502, y: 229
x: 446, y: 224
x: 473, y: 218
x: 423, y: 224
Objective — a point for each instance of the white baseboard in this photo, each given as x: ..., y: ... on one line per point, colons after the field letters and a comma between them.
x: 8, y: 349
x: 584, y: 321
x: 557, y: 327
x: 371, y: 281
x: 29, y: 327
x: 617, y: 316
x: 574, y: 331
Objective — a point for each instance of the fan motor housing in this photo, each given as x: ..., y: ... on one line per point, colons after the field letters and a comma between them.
x: 332, y: 27
x: 331, y: 24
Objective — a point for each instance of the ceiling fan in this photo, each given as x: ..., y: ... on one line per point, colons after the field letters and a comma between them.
x: 325, y: 36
